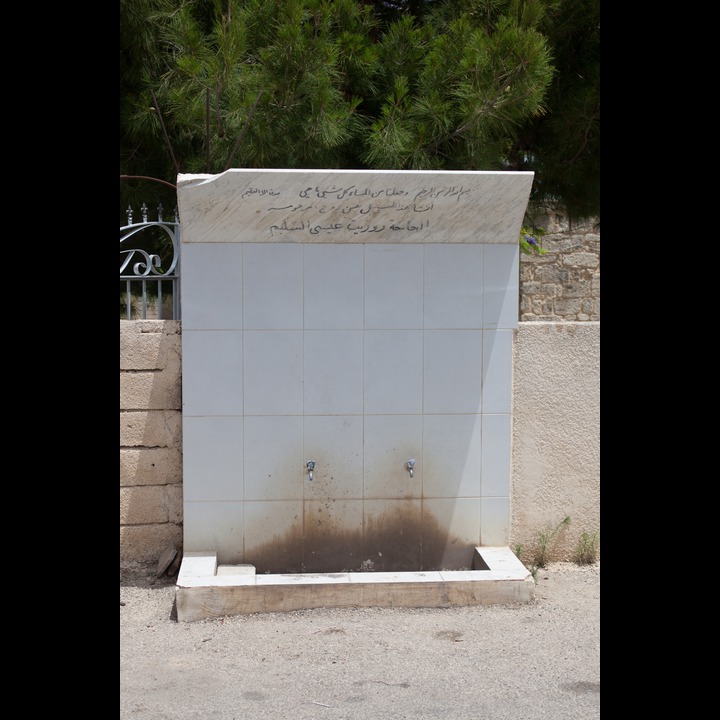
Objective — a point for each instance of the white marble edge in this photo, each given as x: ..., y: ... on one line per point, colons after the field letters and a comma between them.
x: 201, y: 568
x: 197, y: 178
x: 275, y: 205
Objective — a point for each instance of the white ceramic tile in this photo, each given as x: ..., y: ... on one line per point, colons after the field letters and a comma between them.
x: 333, y: 535
x: 273, y: 286
x: 214, y: 526
x: 333, y: 282
x: 497, y: 371
x: 313, y: 269
x: 394, y: 286
x: 452, y: 456
x: 495, y: 521
x: 273, y: 372
x: 266, y: 519
x: 453, y: 286
x: 390, y: 441
x: 501, y: 287
x: 274, y: 467
x: 451, y: 532
x: 496, y: 438
x: 211, y: 286
x: 452, y: 371
x: 393, y: 371
x: 212, y: 371
x: 333, y: 368
x: 393, y: 534
x: 335, y: 444
x: 273, y: 535
x: 329, y: 519
x: 213, y: 459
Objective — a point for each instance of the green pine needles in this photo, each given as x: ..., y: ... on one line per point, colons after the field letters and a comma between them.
x: 341, y: 85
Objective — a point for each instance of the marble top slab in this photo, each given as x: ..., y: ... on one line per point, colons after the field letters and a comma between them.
x: 353, y: 206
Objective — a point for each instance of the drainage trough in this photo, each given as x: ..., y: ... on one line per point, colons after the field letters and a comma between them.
x: 207, y: 590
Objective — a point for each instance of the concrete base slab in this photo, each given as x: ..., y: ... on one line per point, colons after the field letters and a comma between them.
x: 205, y: 590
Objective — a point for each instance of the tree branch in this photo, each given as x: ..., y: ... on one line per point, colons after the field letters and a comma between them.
x: 145, y: 177
x: 242, y: 132
x: 167, y: 139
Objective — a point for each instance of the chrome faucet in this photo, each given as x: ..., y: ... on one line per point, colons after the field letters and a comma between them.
x: 411, y: 465
x: 311, y: 467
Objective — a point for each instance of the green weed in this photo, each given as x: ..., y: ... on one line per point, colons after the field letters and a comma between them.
x: 544, y: 539
x: 586, y: 550
x: 533, y: 568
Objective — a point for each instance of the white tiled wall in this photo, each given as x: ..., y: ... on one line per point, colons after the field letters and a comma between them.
x: 358, y: 357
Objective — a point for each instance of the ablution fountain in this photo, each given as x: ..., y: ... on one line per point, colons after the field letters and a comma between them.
x: 347, y: 344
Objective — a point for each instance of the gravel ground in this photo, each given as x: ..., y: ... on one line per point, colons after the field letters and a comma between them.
x: 500, y: 662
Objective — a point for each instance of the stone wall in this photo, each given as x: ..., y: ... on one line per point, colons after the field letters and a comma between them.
x: 555, y: 442
x: 151, y: 510
x: 563, y: 284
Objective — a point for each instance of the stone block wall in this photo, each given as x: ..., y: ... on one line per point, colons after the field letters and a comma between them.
x: 151, y: 510
x: 563, y: 284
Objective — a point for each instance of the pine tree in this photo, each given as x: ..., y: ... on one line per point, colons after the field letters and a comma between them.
x: 212, y: 84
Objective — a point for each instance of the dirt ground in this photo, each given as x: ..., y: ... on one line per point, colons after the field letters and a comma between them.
x: 501, y: 662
